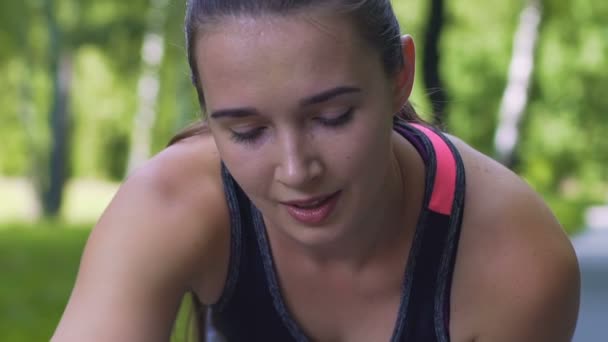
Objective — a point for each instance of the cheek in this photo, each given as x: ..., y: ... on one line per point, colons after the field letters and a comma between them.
x: 250, y: 167
x: 362, y: 153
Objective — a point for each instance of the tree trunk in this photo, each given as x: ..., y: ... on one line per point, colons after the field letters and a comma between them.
x: 515, y: 97
x: 59, y: 120
x: 152, y: 53
x: 431, y: 61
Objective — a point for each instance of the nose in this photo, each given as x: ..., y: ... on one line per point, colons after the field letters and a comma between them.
x: 299, y: 164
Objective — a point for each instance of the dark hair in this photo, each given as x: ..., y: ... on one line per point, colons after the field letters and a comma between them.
x: 375, y: 19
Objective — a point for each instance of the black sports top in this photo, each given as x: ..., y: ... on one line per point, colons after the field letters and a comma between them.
x: 251, y: 307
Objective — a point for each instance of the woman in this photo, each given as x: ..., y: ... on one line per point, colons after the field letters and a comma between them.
x: 312, y: 204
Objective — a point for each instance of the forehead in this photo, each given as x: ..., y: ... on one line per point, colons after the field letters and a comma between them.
x: 253, y: 57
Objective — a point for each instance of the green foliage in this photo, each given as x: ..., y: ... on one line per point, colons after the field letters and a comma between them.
x: 565, y: 130
x: 177, y: 104
x: 13, y: 158
x: 103, y: 111
x: 476, y: 51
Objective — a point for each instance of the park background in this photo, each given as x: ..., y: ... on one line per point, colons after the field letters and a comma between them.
x: 91, y: 89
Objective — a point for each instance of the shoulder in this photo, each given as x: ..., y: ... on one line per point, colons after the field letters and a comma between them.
x: 178, y: 192
x: 513, y: 250
x: 165, y: 229
x: 177, y: 205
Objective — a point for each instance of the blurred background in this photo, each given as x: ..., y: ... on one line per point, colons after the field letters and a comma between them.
x: 91, y: 89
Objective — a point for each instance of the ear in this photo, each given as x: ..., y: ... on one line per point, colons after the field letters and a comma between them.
x: 404, y: 81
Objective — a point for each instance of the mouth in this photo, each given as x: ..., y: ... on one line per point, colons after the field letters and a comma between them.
x: 309, y: 202
x: 312, y: 210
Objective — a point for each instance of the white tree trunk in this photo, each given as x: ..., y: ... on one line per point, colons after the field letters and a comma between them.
x: 152, y: 53
x: 515, y: 97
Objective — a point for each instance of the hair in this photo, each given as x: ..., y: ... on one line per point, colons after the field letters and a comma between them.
x: 375, y: 20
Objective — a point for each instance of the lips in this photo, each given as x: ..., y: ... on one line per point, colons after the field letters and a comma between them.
x: 308, y: 203
x: 314, y: 210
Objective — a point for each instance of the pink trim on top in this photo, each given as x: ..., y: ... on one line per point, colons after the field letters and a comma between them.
x: 444, y: 186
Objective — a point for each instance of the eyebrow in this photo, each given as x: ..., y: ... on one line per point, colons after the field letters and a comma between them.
x: 308, y: 101
x: 234, y: 113
x: 328, y: 95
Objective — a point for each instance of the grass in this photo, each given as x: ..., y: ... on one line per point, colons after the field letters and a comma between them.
x: 39, y: 263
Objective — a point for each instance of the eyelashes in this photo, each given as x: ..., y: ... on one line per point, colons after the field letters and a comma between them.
x: 248, y: 136
x: 251, y: 136
x: 340, y: 120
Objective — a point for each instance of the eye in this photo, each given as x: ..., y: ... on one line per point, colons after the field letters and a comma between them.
x: 248, y: 136
x: 339, y: 120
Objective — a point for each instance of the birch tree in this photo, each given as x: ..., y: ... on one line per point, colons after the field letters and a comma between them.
x: 515, y: 97
x: 152, y: 52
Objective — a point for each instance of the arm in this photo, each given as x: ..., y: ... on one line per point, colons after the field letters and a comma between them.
x: 141, y: 257
x: 518, y: 271
x: 535, y: 295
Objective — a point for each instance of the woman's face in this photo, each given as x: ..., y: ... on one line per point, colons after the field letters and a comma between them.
x: 301, y: 111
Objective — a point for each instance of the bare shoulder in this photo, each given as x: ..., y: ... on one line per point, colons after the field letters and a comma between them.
x: 165, y: 229
x: 516, y: 268
x: 176, y: 200
x: 180, y: 191
x: 185, y: 180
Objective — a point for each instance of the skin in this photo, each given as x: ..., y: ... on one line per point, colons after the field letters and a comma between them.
x: 167, y: 230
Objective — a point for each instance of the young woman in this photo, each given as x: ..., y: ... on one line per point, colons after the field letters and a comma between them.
x: 313, y: 204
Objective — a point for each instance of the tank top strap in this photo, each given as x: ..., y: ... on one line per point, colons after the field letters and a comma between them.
x: 431, y: 263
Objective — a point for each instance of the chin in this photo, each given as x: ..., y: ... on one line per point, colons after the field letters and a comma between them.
x: 318, y: 236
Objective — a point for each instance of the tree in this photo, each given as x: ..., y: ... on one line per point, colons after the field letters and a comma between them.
x: 61, y: 74
x: 68, y: 25
x: 515, y: 97
x: 152, y: 53
x: 431, y: 61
